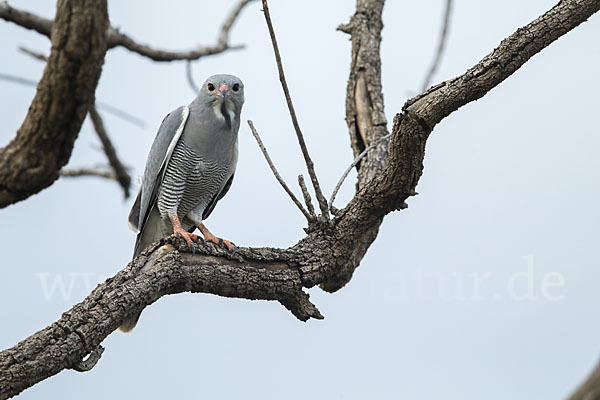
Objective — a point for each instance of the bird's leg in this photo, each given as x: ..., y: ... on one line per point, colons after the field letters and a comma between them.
x: 178, y: 231
x: 209, y: 237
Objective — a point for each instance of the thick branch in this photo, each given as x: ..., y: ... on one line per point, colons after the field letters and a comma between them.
x: 115, y: 38
x: 262, y: 274
x: 422, y: 113
x: 364, y: 98
x: 389, y: 190
x: 590, y: 388
x: 31, y: 161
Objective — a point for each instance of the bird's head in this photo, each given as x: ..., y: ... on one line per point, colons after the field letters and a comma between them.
x: 225, y: 90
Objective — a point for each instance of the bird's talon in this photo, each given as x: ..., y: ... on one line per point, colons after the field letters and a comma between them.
x: 234, y: 250
x: 194, y: 247
x: 221, y: 244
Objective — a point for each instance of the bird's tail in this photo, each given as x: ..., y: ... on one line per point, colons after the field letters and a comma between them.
x: 153, y: 230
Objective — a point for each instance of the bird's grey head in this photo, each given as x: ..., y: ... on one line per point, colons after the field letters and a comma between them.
x: 224, y: 93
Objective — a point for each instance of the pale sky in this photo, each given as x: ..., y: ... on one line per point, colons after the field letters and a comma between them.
x: 485, y: 287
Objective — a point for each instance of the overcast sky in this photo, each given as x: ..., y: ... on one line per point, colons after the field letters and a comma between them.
x: 485, y: 287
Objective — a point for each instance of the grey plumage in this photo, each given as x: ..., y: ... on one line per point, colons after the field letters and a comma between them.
x: 190, y: 166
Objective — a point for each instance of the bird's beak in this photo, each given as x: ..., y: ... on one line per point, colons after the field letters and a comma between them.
x: 223, y: 91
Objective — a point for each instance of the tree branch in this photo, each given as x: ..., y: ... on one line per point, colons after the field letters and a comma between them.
x: 309, y: 164
x: 590, y: 388
x: 352, y: 165
x: 365, y: 114
x: 121, y: 174
x: 114, y: 38
x: 31, y: 161
x: 79, y: 172
x: 190, y: 77
x: 257, y: 274
x: 106, y: 107
x: 285, y: 187
x: 17, y: 79
x: 306, y: 195
x: 391, y: 187
x: 26, y: 19
x: 441, y: 44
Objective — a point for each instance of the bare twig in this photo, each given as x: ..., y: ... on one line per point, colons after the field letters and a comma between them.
x: 190, y: 77
x: 34, y: 54
x: 229, y: 21
x: 309, y: 164
x: 222, y: 42
x: 115, y: 38
x: 106, y: 107
x: 440, y: 48
x: 307, y: 199
x: 17, y: 79
x: 121, y: 173
x: 25, y: 19
x: 309, y: 218
x: 82, y: 172
x: 347, y: 171
x: 124, y: 115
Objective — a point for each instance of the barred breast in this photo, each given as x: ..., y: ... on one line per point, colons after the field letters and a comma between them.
x: 189, y: 181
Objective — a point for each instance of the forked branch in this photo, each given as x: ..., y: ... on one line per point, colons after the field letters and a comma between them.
x: 115, y: 38
x: 310, y: 218
x: 309, y: 164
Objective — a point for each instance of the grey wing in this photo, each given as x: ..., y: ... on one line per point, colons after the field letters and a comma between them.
x: 168, y: 134
x: 226, y: 184
x: 134, y: 214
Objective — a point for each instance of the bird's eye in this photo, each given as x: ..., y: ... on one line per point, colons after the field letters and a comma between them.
x: 210, y: 87
x: 236, y: 87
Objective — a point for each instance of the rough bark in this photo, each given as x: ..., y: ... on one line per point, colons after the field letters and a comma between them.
x: 364, y: 98
x: 590, y: 388
x: 32, y: 160
x: 262, y: 274
x: 327, y: 256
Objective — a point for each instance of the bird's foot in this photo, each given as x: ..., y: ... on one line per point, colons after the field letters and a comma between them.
x: 180, y: 233
x: 209, y: 237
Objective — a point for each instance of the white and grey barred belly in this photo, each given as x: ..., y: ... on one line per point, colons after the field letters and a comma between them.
x: 189, y: 181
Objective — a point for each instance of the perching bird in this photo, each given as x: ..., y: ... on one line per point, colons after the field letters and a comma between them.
x: 190, y: 168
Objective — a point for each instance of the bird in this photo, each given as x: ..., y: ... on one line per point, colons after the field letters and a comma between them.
x: 190, y: 168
